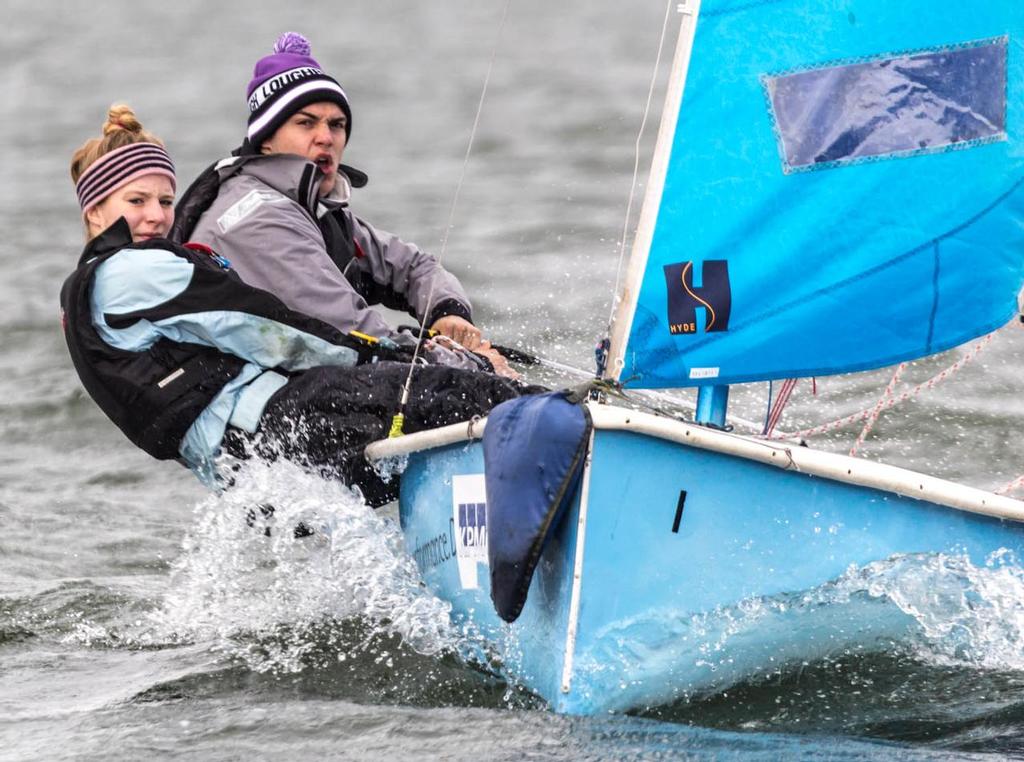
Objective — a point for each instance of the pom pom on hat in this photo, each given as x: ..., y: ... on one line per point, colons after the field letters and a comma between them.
x: 285, y: 81
x: 293, y: 42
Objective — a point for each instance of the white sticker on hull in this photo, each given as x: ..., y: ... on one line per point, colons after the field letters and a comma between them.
x: 469, y: 511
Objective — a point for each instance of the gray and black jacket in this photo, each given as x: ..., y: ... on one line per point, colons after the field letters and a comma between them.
x: 315, y: 254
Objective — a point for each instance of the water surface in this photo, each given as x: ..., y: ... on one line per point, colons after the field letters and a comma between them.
x: 140, y: 616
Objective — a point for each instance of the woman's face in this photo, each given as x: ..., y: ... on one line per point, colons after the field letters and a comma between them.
x: 147, y: 203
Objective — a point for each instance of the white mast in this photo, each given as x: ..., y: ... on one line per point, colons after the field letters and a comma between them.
x: 626, y: 299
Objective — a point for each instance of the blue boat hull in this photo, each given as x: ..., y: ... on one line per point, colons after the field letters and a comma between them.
x: 674, y: 536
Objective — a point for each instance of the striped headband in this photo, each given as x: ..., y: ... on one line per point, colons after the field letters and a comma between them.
x: 120, y: 167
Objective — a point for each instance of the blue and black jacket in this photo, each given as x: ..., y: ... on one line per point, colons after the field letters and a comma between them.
x: 174, y: 347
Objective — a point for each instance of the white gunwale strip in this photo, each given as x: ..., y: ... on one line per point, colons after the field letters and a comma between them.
x: 577, y: 574
x: 841, y: 468
x: 622, y: 322
x: 426, y: 440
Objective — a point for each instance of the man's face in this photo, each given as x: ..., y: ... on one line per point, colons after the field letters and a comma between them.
x: 315, y: 132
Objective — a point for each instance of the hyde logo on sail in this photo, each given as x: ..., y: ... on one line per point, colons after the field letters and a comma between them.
x: 711, y: 293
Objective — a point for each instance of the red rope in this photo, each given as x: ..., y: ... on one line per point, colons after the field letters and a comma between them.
x: 886, y: 395
x: 892, y: 400
x: 1011, y: 486
x: 780, y: 402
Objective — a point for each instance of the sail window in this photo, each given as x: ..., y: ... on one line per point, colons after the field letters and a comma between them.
x: 896, y: 106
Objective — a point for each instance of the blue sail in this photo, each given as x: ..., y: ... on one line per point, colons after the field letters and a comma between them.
x: 844, y: 190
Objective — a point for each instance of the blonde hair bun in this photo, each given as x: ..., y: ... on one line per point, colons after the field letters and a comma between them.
x: 122, y: 117
x: 122, y: 128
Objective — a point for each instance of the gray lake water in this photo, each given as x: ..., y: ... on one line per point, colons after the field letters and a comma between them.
x: 139, y: 617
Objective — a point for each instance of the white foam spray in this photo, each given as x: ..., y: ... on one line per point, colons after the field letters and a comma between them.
x: 262, y: 596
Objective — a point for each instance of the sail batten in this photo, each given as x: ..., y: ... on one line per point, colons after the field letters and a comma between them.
x: 828, y: 205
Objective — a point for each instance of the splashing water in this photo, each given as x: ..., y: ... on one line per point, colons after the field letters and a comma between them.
x: 967, y: 615
x: 388, y: 468
x: 261, y: 592
x: 940, y: 610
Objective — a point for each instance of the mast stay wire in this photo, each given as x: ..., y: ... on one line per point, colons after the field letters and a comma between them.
x: 399, y: 419
x: 636, y: 162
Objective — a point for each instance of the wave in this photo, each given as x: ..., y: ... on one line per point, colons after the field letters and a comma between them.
x: 259, y: 590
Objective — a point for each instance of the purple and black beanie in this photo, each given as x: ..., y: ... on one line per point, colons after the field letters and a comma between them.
x: 284, y: 82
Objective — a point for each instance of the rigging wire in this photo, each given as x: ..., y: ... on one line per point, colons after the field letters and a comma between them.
x: 775, y: 411
x: 636, y: 161
x: 886, y: 395
x: 1010, y: 486
x: 891, y: 400
x: 634, y: 396
x: 399, y: 419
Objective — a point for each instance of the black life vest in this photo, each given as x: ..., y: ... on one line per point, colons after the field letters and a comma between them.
x: 153, y: 396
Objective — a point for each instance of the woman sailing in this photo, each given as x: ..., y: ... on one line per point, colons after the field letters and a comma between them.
x: 190, y: 362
